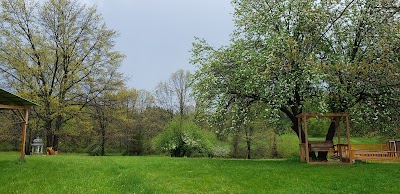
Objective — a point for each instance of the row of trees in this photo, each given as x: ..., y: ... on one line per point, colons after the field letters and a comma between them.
x: 60, y: 54
x: 123, y: 120
x: 285, y: 58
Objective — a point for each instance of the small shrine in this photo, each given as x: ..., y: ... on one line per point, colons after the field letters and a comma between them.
x: 37, y: 146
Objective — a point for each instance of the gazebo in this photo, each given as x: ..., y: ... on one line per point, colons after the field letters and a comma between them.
x: 20, y: 107
x: 341, y: 149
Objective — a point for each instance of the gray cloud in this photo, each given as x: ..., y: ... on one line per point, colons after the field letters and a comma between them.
x: 156, y: 35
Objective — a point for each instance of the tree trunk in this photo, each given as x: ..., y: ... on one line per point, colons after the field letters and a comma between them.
x: 235, y: 144
x: 331, y: 132
x: 103, y: 134
x: 274, y: 149
x: 49, y: 138
x: 102, y: 124
x: 55, y: 142
x: 322, y: 156
x: 181, y: 106
x: 303, y: 139
x: 57, y: 132
x: 295, y: 128
x: 29, y: 142
x: 49, y: 134
x: 248, y: 141
x: 103, y: 140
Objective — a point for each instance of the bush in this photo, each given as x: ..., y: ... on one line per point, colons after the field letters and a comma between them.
x: 183, y: 138
x: 288, y: 145
x: 220, y: 151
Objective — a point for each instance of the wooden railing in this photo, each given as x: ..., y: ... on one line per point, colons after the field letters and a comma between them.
x: 365, y: 152
x: 375, y: 152
x: 380, y: 147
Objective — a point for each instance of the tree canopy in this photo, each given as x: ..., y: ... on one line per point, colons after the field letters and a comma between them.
x: 60, y: 54
x: 294, y: 56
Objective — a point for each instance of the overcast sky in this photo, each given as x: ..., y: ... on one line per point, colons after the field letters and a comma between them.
x: 156, y: 35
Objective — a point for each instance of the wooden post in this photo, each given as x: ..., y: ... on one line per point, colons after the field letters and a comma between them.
x: 24, y: 126
x: 300, y: 139
x: 337, y: 123
x: 348, y: 138
x: 306, y: 138
x: 299, y: 128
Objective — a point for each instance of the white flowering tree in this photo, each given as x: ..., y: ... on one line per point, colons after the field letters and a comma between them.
x: 286, y: 54
x: 362, y: 68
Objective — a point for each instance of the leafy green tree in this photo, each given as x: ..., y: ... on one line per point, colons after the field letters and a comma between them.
x: 124, y: 120
x: 79, y: 133
x: 148, y: 124
x: 131, y: 121
x: 60, y: 54
x: 105, y: 111
x: 9, y: 132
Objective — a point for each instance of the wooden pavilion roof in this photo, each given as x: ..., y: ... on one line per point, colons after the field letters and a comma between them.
x: 12, y: 101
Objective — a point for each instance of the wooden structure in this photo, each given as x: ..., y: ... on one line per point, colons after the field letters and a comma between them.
x: 377, y: 152
x: 394, y: 145
x: 342, y: 150
x: 20, y: 107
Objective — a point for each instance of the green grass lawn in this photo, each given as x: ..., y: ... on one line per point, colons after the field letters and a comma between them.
x: 118, y: 174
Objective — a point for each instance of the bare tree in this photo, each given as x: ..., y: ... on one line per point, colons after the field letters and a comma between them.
x: 174, y: 94
x: 164, y: 96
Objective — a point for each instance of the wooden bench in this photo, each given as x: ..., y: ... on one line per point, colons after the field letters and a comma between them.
x: 321, y: 146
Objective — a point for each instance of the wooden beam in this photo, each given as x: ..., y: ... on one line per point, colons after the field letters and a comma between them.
x: 299, y: 129
x: 3, y: 106
x: 24, y: 126
x: 300, y: 140
x: 348, y: 139
x: 20, y: 115
x: 306, y: 138
x: 337, y: 124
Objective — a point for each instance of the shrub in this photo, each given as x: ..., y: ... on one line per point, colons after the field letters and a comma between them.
x: 288, y: 145
x: 183, y: 138
x: 220, y: 151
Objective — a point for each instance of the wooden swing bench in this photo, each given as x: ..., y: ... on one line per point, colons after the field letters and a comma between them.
x: 321, y: 146
x: 340, y: 150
